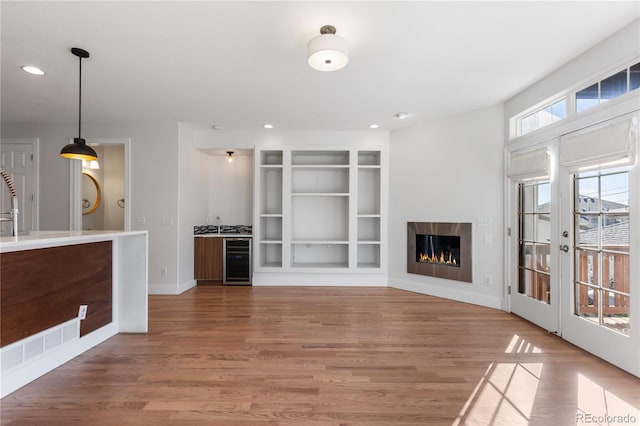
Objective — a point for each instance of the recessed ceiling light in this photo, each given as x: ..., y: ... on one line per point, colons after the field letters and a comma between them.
x: 401, y: 115
x: 373, y: 126
x: 214, y: 127
x: 32, y: 70
x: 268, y: 126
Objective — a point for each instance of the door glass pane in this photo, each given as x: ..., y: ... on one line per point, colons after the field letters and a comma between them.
x: 601, y: 252
x: 528, y: 198
x: 615, y: 311
x: 587, y: 266
x: 543, y: 227
x: 586, y: 226
x: 535, y: 260
x: 527, y: 228
x: 614, y: 271
x: 543, y: 258
x: 587, y: 302
x: 527, y: 255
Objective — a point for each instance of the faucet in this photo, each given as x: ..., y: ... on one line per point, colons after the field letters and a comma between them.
x: 218, y: 223
x: 14, y: 203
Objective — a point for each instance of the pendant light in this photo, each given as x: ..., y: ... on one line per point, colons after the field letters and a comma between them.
x: 79, y: 150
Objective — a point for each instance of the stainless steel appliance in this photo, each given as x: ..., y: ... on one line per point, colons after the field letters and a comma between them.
x: 237, y: 261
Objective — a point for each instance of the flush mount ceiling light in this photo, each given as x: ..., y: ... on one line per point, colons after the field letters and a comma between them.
x: 401, y: 115
x: 373, y: 126
x: 268, y: 126
x: 78, y: 150
x: 32, y: 70
x: 230, y: 156
x: 327, y: 52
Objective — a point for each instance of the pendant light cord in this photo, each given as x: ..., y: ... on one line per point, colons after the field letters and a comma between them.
x: 80, y: 101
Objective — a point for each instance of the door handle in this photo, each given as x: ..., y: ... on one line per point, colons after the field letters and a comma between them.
x: 565, y: 234
x: 564, y: 248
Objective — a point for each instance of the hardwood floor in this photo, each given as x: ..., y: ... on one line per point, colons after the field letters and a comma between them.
x: 326, y: 356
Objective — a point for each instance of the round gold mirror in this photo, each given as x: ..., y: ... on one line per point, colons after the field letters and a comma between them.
x: 91, y: 193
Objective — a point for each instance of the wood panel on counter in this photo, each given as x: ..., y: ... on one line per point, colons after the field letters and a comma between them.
x: 42, y: 288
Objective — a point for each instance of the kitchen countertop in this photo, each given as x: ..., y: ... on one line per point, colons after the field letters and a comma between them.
x: 225, y: 235
x: 42, y: 239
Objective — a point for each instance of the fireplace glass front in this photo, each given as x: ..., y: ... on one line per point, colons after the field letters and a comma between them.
x: 438, y: 249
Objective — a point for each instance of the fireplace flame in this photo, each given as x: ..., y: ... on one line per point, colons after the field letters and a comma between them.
x: 443, y: 258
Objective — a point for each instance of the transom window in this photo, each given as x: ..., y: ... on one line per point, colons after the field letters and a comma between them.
x: 609, y: 88
x: 544, y: 116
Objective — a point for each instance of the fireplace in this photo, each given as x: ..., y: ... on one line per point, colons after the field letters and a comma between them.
x: 440, y: 250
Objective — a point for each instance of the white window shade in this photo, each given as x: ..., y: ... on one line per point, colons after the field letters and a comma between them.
x: 614, y: 143
x: 529, y: 165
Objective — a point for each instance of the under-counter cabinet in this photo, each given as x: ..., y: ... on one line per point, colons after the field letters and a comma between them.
x: 320, y: 215
x: 208, y: 259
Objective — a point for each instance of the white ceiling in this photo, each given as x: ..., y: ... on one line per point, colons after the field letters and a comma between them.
x: 241, y: 64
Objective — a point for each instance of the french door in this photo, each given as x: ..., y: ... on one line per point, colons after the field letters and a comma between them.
x: 599, y: 217
x: 535, y: 295
x: 575, y: 241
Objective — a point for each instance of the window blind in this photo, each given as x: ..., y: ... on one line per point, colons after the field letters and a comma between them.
x: 612, y: 143
x: 529, y: 165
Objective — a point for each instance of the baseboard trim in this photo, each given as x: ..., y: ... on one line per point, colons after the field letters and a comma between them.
x: 171, y: 289
x: 445, y: 293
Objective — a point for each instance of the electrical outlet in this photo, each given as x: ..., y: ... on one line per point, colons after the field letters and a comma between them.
x: 141, y: 221
x: 163, y: 272
x: 486, y: 280
x: 166, y: 221
x: 82, y: 312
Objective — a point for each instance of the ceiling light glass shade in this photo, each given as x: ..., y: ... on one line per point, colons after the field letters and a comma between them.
x: 33, y: 70
x: 94, y: 165
x: 78, y: 150
x: 327, y: 52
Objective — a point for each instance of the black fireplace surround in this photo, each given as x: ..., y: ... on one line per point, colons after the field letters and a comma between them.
x: 440, y: 250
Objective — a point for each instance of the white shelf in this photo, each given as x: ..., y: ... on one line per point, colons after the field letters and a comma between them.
x: 341, y: 265
x: 271, y: 157
x: 271, y: 215
x: 366, y: 242
x: 270, y: 241
x: 323, y: 242
x: 319, y: 158
x: 320, y: 167
x: 319, y: 194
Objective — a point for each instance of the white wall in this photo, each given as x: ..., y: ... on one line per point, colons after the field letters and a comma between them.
x: 193, y: 200
x: 154, y: 182
x: 450, y: 171
x: 231, y: 190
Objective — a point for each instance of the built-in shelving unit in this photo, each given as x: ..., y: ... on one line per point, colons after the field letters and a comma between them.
x: 369, y: 169
x: 270, y: 170
x: 319, y: 210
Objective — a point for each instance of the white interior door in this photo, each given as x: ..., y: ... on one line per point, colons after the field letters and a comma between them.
x: 17, y: 159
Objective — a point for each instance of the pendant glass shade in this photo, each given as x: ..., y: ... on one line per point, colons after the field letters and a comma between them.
x: 78, y: 150
x: 327, y: 52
